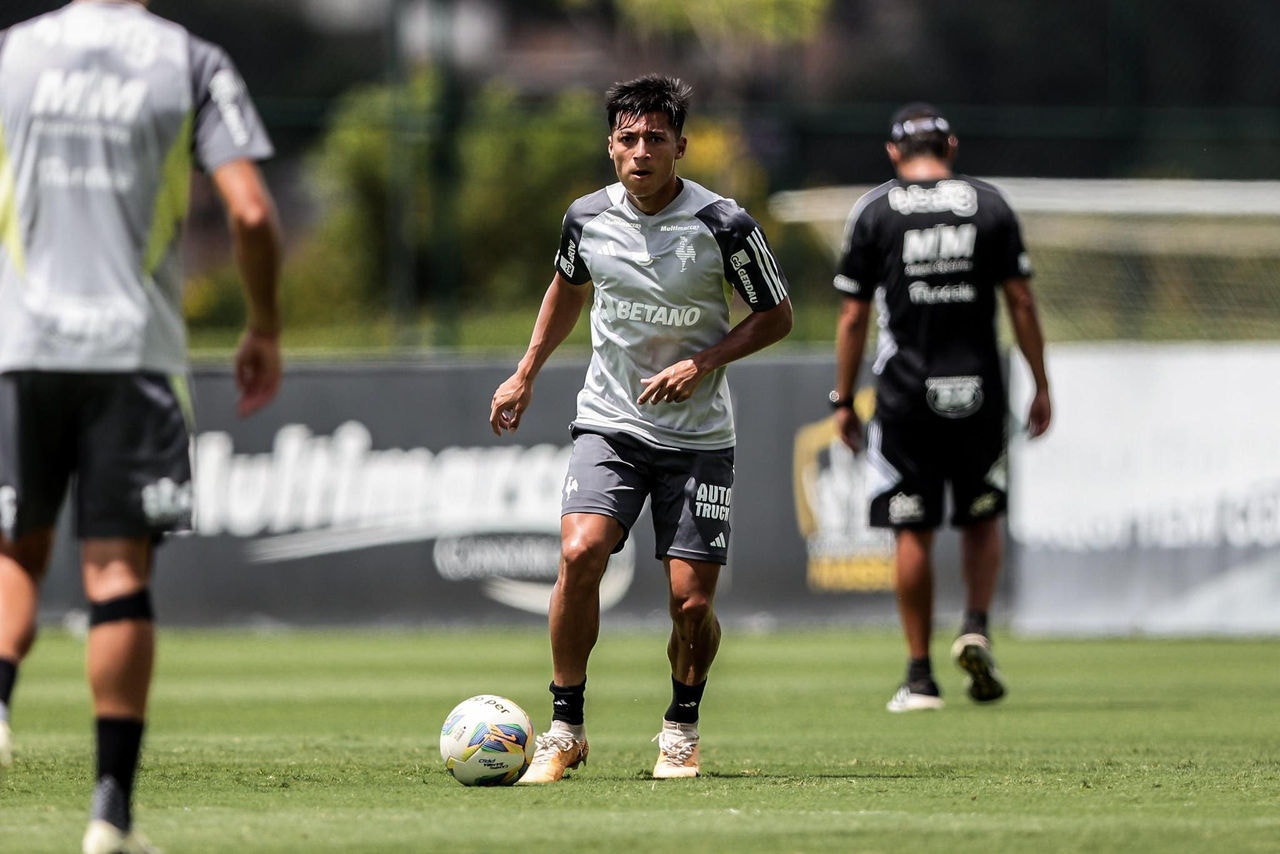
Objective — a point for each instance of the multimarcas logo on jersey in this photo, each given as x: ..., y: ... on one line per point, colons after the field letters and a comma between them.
x: 492, y: 512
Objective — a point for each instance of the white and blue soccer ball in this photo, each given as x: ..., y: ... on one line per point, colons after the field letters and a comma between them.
x: 487, y: 740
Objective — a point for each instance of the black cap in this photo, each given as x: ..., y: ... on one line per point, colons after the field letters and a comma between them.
x: 917, y: 119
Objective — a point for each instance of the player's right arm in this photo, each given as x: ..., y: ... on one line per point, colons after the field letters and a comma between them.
x: 851, y: 343
x: 561, y: 308
x: 255, y: 236
x: 856, y: 269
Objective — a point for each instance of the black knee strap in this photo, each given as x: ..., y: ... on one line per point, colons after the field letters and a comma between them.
x: 134, y: 606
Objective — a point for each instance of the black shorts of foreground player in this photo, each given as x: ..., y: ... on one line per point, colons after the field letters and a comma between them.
x: 932, y: 249
x: 104, y: 109
x: 654, y: 418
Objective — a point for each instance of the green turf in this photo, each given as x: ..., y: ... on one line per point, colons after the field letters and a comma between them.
x: 327, y: 742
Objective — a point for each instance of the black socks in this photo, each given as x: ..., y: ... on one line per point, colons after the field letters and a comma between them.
x: 567, y: 702
x: 119, y: 744
x: 8, y: 676
x: 685, y: 700
x: 920, y: 674
x: 974, y: 623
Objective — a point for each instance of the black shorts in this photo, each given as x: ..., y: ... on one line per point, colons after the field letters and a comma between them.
x: 911, y: 462
x: 125, y: 437
x: 689, y: 492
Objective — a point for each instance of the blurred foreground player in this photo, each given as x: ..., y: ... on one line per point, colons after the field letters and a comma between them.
x: 932, y: 249
x: 654, y: 417
x: 103, y: 109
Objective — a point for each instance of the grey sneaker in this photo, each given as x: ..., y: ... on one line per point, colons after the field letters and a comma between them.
x: 972, y: 654
x: 919, y: 696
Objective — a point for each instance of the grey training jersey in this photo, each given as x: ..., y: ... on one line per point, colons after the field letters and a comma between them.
x: 661, y: 296
x: 103, y: 108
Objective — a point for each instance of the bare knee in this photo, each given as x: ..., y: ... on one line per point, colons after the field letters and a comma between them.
x: 23, y: 563
x: 582, y: 561
x: 691, y: 610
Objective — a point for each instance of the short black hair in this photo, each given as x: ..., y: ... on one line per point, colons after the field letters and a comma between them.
x: 919, y: 129
x: 653, y: 93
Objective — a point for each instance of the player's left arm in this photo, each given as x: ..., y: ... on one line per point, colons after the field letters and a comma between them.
x: 750, y: 267
x: 255, y: 235
x: 228, y: 140
x: 1025, y: 320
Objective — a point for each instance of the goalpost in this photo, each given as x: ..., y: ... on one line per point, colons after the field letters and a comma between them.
x: 1134, y: 259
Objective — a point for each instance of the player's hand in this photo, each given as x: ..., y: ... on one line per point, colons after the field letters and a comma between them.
x: 674, y: 384
x: 258, y: 367
x: 1039, y: 414
x: 510, y: 400
x: 849, y: 426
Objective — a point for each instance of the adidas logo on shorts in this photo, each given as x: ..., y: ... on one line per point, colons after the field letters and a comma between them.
x: 720, y: 542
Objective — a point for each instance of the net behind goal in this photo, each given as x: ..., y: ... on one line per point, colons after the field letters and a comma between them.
x: 1155, y: 260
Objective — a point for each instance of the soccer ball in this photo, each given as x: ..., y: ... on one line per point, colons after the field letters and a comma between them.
x: 486, y: 740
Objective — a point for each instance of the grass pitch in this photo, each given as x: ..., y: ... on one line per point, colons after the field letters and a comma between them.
x: 315, y: 741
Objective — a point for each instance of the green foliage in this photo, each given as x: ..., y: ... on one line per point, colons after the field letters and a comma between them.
x: 522, y: 164
x: 491, y: 221
x: 764, y: 21
x: 327, y: 741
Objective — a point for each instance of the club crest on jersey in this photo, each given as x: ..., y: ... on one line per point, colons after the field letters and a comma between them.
x: 953, y: 397
x: 686, y: 252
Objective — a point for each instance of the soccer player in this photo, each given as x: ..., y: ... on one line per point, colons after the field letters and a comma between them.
x: 932, y: 249
x: 104, y: 106
x: 654, y: 417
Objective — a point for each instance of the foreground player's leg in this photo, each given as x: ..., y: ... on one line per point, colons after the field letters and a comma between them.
x: 982, y: 550
x: 586, y: 541
x: 694, y: 641
x: 121, y: 653
x: 22, y: 566
x: 914, y: 573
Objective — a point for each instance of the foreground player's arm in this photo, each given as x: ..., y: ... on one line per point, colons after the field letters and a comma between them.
x: 851, y: 343
x: 561, y: 308
x: 1026, y: 329
x: 255, y: 235
x: 756, y: 331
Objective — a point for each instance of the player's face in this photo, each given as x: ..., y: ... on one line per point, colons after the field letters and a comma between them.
x: 644, y: 151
